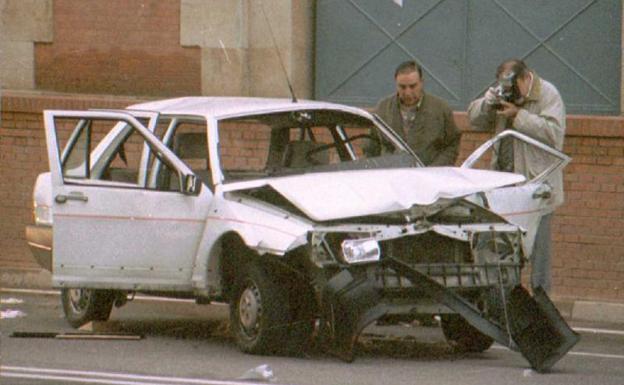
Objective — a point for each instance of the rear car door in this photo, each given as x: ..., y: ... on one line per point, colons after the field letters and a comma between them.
x: 525, y: 203
x: 111, y: 228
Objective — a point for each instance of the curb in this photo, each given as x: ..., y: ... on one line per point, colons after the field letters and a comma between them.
x: 25, y: 278
x: 571, y: 310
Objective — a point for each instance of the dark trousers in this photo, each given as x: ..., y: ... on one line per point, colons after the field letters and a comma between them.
x: 540, y: 259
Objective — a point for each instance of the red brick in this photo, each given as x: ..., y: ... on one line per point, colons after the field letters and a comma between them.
x: 118, y: 47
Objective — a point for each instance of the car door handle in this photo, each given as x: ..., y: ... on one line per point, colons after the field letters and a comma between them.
x: 73, y: 196
x: 542, y: 194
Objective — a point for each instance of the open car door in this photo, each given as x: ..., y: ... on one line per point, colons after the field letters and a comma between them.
x: 525, y: 203
x: 111, y: 228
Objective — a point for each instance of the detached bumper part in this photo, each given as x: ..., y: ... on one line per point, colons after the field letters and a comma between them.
x: 539, y: 330
x: 536, y: 328
x: 350, y: 305
x: 39, y: 240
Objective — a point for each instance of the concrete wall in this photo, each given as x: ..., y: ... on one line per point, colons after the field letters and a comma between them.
x: 22, y: 24
x: 157, y: 47
x: 588, y: 230
x: 242, y: 41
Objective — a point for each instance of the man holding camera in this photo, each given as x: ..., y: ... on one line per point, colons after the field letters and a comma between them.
x: 524, y: 102
x: 423, y: 120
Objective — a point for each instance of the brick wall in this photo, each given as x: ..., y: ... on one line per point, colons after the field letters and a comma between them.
x: 588, y: 230
x: 118, y: 47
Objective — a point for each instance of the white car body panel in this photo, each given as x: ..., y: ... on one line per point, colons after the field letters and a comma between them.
x: 222, y: 107
x: 345, y: 194
x: 158, y: 233
x: 263, y: 228
x: 521, y: 204
x: 132, y: 220
x: 516, y: 204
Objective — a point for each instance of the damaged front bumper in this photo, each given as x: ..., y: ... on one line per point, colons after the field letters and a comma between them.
x: 353, y: 300
x: 39, y: 240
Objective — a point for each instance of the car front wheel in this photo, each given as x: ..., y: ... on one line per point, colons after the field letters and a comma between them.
x: 259, y: 312
x: 84, y: 305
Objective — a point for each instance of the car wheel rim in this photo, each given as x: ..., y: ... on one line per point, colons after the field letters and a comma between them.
x: 79, y: 300
x: 249, y: 310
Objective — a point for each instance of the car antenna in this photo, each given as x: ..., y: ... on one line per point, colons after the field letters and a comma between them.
x: 292, y: 92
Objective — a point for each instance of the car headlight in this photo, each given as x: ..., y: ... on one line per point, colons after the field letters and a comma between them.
x: 360, y: 250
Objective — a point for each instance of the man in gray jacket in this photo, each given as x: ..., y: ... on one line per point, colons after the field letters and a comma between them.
x: 533, y: 107
x: 424, y: 121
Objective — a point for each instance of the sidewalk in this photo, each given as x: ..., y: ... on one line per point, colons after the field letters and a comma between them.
x: 571, y: 310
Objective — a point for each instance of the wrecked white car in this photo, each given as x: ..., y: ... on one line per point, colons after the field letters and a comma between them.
x: 301, y: 215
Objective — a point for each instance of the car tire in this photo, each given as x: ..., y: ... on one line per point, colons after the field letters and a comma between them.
x: 463, y: 336
x: 84, y: 305
x: 301, y: 328
x: 259, y: 312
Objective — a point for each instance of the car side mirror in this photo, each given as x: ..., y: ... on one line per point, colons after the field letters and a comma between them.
x: 191, y: 185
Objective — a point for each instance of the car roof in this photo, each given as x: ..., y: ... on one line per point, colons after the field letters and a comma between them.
x: 222, y: 107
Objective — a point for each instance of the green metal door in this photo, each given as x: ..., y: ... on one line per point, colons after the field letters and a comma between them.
x: 575, y: 44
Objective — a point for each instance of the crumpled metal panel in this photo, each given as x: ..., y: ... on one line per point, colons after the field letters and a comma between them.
x: 329, y: 196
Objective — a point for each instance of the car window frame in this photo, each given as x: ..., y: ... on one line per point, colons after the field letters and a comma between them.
x: 113, y: 136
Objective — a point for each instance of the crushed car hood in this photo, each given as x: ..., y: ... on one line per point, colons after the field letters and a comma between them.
x: 346, y: 194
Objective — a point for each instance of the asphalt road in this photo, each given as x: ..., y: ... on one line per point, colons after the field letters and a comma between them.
x: 184, y: 343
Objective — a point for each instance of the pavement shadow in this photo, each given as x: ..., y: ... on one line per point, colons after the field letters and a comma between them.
x: 191, y: 329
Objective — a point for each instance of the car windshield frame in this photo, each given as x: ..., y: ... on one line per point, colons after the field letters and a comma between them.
x: 344, y: 134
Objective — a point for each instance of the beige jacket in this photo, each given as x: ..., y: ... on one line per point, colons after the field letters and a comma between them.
x: 541, y: 117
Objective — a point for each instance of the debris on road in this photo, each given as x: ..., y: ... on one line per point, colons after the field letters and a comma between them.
x: 78, y: 336
x: 10, y: 313
x: 260, y: 373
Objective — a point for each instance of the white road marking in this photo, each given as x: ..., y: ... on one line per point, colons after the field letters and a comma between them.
x: 107, y: 378
x: 599, y: 331
x: 573, y: 353
x: 599, y: 355
x: 29, y: 291
x: 84, y: 380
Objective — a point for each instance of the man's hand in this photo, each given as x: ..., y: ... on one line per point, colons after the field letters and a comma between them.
x: 490, y: 96
x: 508, y: 110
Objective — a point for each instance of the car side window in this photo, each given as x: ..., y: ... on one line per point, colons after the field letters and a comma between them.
x: 103, y: 150
x: 188, y: 140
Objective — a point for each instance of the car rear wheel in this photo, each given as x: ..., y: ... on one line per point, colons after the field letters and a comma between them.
x: 261, y: 315
x: 84, y: 305
x: 463, y: 336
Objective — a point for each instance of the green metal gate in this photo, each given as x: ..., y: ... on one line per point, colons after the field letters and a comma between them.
x: 575, y: 44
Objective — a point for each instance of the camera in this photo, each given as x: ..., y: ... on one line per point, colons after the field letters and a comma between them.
x: 506, y: 90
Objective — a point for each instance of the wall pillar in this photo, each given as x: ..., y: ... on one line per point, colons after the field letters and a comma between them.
x: 22, y: 23
x: 239, y: 56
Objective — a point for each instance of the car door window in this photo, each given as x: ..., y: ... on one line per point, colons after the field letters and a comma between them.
x: 189, y: 142
x: 106, y: 152
x: 499, y: 147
